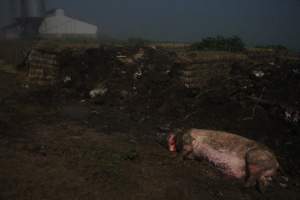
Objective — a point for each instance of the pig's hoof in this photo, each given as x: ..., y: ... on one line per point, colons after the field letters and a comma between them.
x: 248, y: 185
x: 250, y: 182
x: 261, y: 187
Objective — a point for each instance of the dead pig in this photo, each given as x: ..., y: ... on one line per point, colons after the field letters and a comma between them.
x: 233, y: 155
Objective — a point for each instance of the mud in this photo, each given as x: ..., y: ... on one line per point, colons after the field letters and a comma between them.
x: 59, y: 143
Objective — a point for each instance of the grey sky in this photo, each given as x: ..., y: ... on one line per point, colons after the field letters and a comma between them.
x: 256, y: 21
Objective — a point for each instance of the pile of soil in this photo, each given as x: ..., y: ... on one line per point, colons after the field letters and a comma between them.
x: 152, y: 82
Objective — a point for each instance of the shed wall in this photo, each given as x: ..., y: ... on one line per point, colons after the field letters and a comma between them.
x: 64, y: 25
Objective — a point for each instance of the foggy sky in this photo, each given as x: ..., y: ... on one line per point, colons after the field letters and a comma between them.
x: 256, y: 21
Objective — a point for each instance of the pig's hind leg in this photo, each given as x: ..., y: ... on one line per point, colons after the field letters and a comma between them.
x: 251, y: 176
x: 258, y: 170
x: 252, y: 169
x: 256, y: 179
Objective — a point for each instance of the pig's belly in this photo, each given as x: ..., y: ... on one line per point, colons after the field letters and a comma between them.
x: 227, y: 162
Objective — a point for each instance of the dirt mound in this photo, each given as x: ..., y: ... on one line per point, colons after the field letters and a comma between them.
x: 160, y: 85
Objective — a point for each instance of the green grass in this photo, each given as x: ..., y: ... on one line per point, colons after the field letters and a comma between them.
x: 8, y: 68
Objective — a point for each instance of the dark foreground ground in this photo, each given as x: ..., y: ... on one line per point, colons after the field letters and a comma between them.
x: 58, y: 148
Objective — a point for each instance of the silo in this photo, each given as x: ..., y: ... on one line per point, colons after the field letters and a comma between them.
x: 21, y: 17
x: 5, y: 13
x: 16, y: 7
x: 32, y: 13
x: 33, y: 8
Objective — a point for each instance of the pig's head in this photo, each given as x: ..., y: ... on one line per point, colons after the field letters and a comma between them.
x: 171, y: 139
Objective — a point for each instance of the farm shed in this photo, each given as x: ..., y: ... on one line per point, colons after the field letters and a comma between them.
x: 57, y: 24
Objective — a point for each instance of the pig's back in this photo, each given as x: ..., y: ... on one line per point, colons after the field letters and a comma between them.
x: 225, y: 150
x: 220, y: 140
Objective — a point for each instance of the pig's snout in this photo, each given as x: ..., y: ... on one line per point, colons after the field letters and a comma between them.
x: 172, y: 143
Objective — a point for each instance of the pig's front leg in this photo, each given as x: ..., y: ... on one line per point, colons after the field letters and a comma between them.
x: 187, y: 153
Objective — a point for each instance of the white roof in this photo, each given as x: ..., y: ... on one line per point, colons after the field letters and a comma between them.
x: 58, y: 23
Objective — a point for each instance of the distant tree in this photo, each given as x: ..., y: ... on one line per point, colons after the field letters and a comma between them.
x: 220, y: 43
x: 274, y: 47
x: 138, y: 42
x: 236, y: 44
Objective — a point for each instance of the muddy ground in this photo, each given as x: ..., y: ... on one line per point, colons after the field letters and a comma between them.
x: 58, y: 143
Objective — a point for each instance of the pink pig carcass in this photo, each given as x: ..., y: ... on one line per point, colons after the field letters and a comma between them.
x: 233, y: 155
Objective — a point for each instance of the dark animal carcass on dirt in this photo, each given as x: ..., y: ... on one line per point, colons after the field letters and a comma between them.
x: 232, y: 154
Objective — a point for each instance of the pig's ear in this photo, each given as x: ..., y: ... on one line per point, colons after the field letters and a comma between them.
x: 178, y: 130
